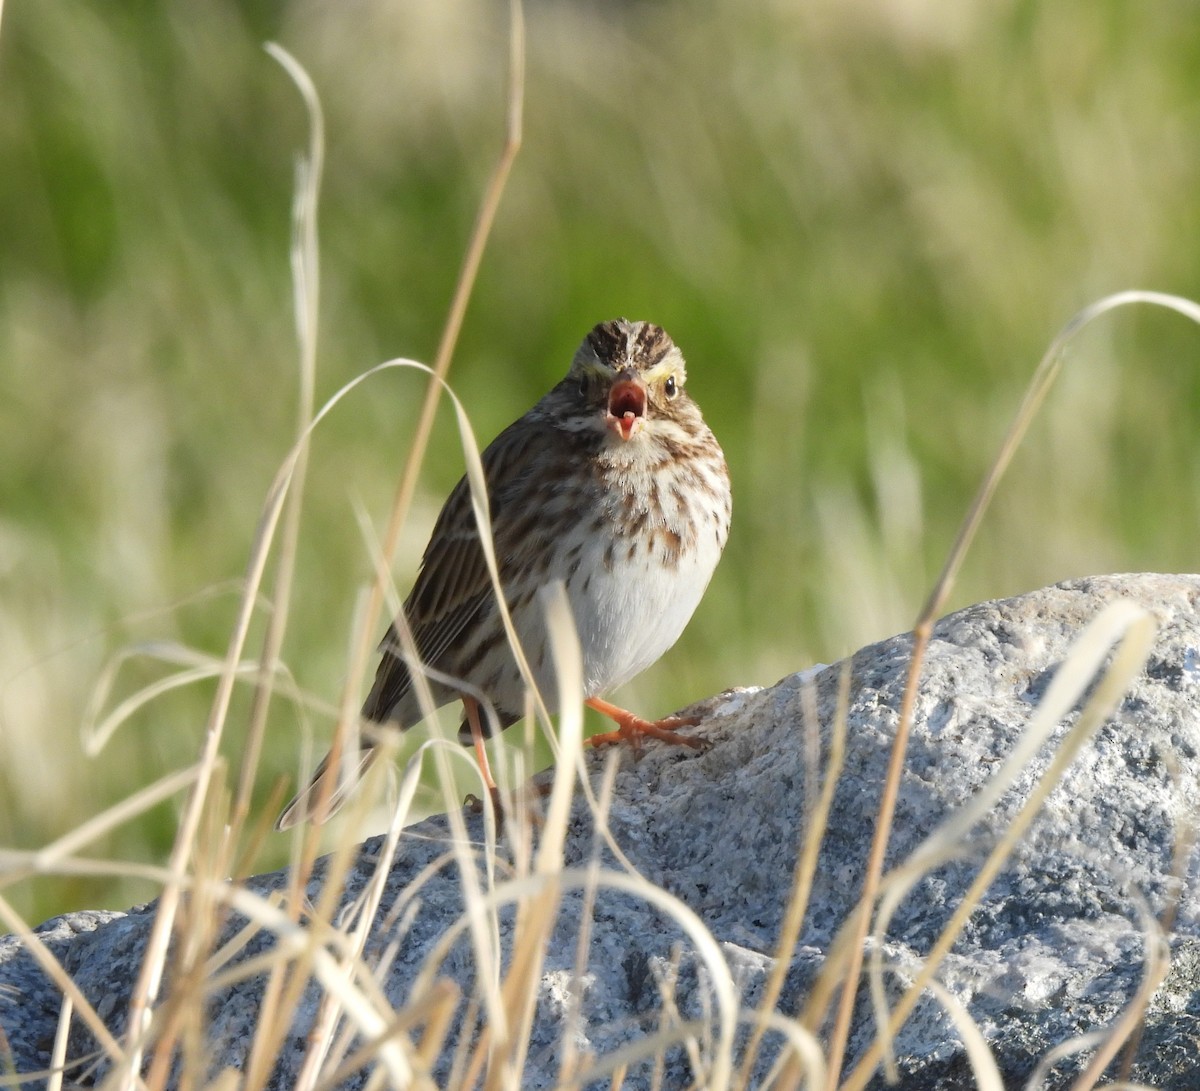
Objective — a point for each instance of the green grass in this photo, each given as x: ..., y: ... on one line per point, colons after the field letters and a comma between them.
x: 862, y: 223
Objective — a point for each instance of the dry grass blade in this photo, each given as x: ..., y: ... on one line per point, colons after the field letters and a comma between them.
x: 462, y: 294
x: 358, y: 924
x: 536, y: 916
x: 20, y: 865
x: 1037, y: 1079
x: 58, y: 1053
x: 669, y: 1018
x: 1043, y: 378
x: 803, y: 1064
x: 805, y: 870
x: 150, y: 978
x: 287, y: 981
x: 1158, y: 962
x: 306, y: 300
x: 569, y: 1056
x: 617, y: 1063
x: 856, y: 926
x: 983, y: 1064
x: 484, y: 929
x: 362, y: 1058
x: 1185, y: 843
x: 486, y: 940
x: 483, y: 520
x: 97, y: 735
x: 568, y: 664
x: 17, y: 865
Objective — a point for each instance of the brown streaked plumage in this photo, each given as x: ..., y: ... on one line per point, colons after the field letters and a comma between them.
x: 611, y: 483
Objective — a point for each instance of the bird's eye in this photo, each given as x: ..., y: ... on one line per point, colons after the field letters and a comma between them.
x: 670, y: 387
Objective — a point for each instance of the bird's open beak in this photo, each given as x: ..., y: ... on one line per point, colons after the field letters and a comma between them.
x: 627, y: 406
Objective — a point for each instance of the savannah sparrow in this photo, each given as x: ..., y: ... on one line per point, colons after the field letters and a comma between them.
x: 613, y: 484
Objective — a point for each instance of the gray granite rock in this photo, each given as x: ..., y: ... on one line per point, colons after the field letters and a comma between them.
x: 1054, y: 950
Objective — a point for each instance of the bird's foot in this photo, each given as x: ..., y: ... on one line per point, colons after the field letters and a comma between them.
x: 475, y: 805
x: 533, y: 793
x: 632, y: 729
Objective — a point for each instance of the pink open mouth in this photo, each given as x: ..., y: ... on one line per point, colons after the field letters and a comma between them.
x: 626, y: 408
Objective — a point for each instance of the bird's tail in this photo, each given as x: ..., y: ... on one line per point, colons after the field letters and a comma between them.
x: 321, y: 800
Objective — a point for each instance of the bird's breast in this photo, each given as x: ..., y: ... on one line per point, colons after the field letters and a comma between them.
x: 636, y: 583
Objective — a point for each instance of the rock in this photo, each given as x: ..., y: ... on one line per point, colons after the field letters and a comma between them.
x: 1054, y: 950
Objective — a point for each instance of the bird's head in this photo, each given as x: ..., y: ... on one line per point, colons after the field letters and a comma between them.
x: 628, y: 377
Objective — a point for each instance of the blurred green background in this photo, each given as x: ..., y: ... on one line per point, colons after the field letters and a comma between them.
x: 863, y: 222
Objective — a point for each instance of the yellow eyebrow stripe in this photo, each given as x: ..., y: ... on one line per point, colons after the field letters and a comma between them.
x: 664, y: 370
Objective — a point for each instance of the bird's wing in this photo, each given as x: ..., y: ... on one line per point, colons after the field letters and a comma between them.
x: 453, y: 587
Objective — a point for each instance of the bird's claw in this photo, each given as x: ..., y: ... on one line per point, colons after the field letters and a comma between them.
x: 633, y: 729
x: 475, y: 805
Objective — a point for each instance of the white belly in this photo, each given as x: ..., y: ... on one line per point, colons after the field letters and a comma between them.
x: 629, y: 609
x: 630, y: 615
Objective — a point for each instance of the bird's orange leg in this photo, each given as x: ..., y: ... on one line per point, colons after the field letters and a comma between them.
x: 631, y: 728
x: 471, y: 707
